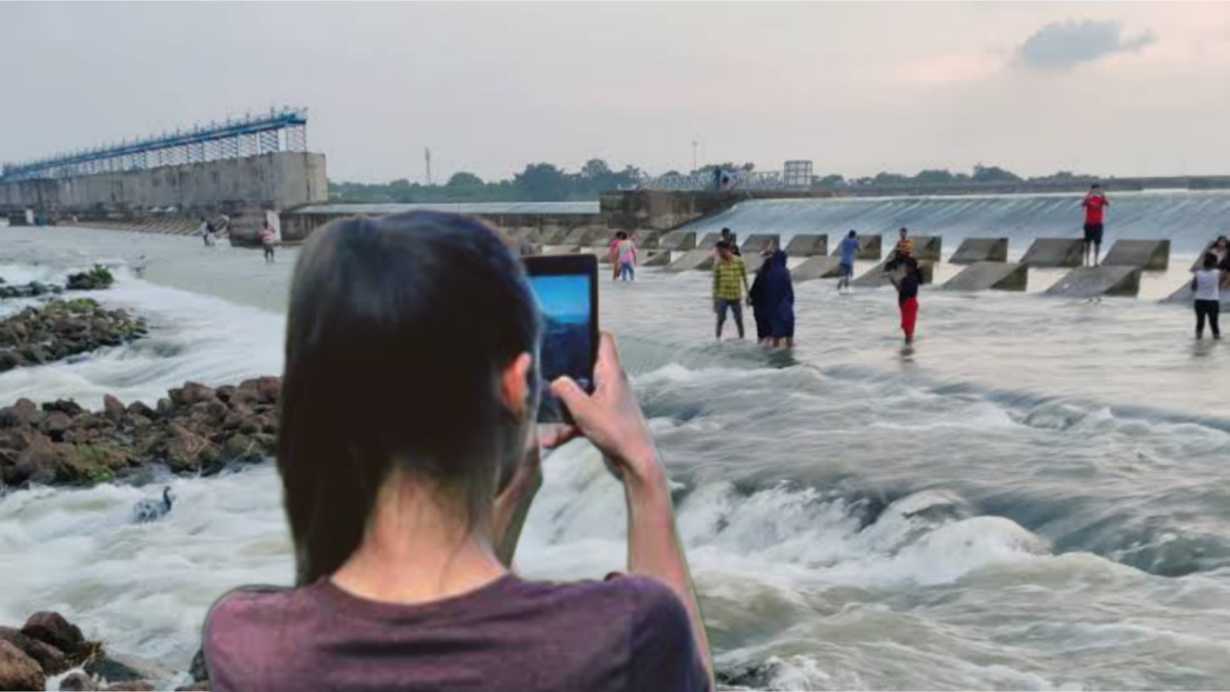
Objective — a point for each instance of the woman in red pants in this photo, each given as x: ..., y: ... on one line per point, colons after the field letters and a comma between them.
x: 907, y: 295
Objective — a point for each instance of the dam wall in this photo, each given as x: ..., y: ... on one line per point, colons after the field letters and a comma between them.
x: 276, y: 180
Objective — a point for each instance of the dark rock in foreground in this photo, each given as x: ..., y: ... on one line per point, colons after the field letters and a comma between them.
x: 18, y: 671
x: 96, y: 278
x: 33, y: 289
x: 62, y: 328
x: 195, y: 429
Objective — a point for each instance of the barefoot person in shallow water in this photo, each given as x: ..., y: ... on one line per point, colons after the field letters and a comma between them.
x: 1206, y: 285
x: 405, y: 513
x: 849, y: 250
x: 907, y: 295
x: 729, y: 285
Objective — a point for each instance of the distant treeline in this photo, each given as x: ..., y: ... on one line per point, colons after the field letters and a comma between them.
x: 539, y: 182
x: 545, y: 182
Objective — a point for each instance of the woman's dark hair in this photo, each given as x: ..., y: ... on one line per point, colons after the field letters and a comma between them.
x: 397, y: 333
x: 1210, y: 260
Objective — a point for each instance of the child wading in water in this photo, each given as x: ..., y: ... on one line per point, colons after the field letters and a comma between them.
x: 907, y: 295
x: 268, y: 240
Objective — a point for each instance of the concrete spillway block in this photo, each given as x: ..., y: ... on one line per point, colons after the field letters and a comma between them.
x: 758, y: 242
x: 709, y: 241
x: 1055, y: 252
x: 681, y: 241
x: 692, y: 259
x: 817, y: 268
x: 1185, y: 294
x: 1090, y: 282
x: 647, y: 238
x: 560, y: 250
x: 808, y: 245
x: 656, y: 258
x: 878, y: 277
x: 550, y: 235
x: 753, y: 261
x: 584, y: 235
x: 1150, y: 255
x: 1200, y: 258
x: 926, y: 247
x: 870, y: 247
x: 983, y: 276
x: 981, y: 250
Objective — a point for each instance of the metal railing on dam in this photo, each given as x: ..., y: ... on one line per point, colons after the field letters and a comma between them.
x: 277, y: 130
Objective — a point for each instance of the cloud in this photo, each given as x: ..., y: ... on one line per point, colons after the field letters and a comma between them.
x: 1064, y: 45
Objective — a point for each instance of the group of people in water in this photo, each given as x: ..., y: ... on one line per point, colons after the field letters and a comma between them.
x: 771, y: 294
x: 1207, y: 280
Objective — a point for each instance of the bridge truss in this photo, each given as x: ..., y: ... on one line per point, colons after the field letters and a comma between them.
x: 277, y: 130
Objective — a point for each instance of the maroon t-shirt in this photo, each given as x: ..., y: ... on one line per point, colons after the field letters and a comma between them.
x: 626, y: 633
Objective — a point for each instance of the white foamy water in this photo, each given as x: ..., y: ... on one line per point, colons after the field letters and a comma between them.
x: 1035, y: 498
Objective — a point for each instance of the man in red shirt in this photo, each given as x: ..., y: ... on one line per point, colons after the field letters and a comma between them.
x: 1094, y: 203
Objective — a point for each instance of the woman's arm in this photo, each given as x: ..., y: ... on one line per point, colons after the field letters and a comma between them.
x: 512, y: 505
x: 611, y: 419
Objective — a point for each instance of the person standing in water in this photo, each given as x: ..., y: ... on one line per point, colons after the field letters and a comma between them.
x: 729, y: 285
x: 613, y: 255
x: 778, y: 299
x: 625, y: 256
x: 1206, y: 284
x: 268, y: 240
x: 757, y: 300
x: 729, y: 237
x: 907, y: 295
x: 1094, y: 203
x: 849, y: 250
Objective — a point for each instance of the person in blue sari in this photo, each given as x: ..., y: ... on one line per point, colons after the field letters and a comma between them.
x: 773, y: 301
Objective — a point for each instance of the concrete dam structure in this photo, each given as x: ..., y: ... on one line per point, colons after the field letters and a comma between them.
x: 990, y: 276
x: 974, y: 250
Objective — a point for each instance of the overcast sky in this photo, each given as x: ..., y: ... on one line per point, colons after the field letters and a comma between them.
x: 1125, y: 89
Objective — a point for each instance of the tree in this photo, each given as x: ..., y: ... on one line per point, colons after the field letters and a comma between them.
x: 994, y: 174
x: 595, y: 169
x: 542, y: 182
x: 832, y: 180
x: 464, y: 179
x: 886, y: 178
x: 934, y: 177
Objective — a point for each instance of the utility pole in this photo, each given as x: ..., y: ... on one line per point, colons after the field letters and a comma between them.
x: 427, y: 158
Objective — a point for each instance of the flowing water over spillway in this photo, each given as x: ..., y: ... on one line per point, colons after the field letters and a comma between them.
x: 1035, y: 497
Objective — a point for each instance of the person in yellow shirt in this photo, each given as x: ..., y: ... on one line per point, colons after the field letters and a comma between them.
x: 729, y: 287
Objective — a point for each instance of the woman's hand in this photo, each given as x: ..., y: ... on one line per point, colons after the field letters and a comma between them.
x: 611, y: 418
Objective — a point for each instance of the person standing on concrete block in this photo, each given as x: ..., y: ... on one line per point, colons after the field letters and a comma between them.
x: 849, y: 250
x: 1095, y: 203
x: 268, y: 240
x: 1206, y: 285
x: 907, y: 295
x: 729, y: 285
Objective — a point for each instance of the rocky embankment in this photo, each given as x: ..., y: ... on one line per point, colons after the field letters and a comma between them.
x: 97, y: 278
x: 48, y: 645
x: 194, y: 429
x: 63, y: 328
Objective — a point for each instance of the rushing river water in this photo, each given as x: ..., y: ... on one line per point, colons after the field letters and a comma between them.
x: 1035, y: 497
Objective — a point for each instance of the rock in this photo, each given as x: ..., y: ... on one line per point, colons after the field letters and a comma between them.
x: 23, y: 413
x: 270, y: 389
x: 113, y: 409
x: 52, y: 628
x: 138, y: 408
x: 18, y: 671
x: 112, y: 670
x: 165, y: 408
x: 40, y: 461
x: 97, y: 278
x: 134, y: 686
x: 8, y: 360
x: 55, y: 425
x: 66, y: 406
x: 225, y: 392
x: 187, y: 451
x: 78, y: 681
x: 197, y: 670
x: 193, y: 393
x: 240, y: 447
x: 194, y: 687
x: 49, y: 658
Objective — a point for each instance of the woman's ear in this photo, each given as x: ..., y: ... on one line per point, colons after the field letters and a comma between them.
x: 515, y: 385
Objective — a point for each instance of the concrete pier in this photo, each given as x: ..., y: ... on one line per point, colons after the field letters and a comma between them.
x: 709, y: 241
x: 878, y: 277
x: 870, y: 247
x: 656, y: 258
x: 1055, y: 252
x: 808, y: 245
x: 974, y: 250
x: 1091, y: 282
x: 822, y: 267
x: 681, y: 241
x: 996, y: 276
x: 758, y: 242
x: 585, y: 236
x: 1150, y: 255
x: 926, y: 247
x: 698, y: 259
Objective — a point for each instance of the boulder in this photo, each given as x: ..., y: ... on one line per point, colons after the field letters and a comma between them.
x: 41, y: 461
x: 192, y: 393
x: 56, y: 423
x: 78, y: 681
x: 49, y: 658
x: 113, y: 409
x: 187, y: 451
x: 52, y: 628
x: 18, y: 671
x: 197, y: 669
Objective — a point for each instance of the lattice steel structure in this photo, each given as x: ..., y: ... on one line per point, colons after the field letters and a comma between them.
x: 278, y: 130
